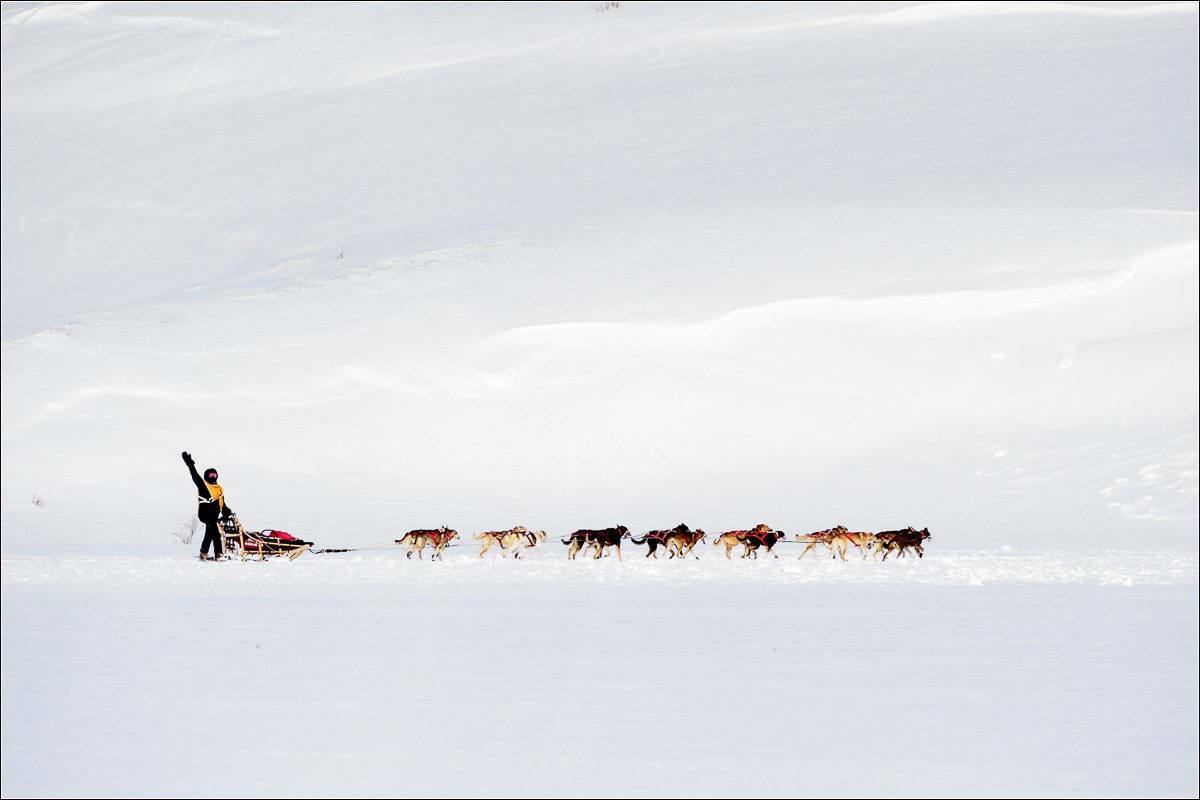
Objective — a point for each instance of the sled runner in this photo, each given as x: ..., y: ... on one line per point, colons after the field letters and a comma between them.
x: 248, y: 544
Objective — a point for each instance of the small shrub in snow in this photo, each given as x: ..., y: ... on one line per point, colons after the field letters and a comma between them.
x: 187, y: 531
x: 38, y: 500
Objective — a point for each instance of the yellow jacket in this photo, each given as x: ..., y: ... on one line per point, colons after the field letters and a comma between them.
x: 216, y: 493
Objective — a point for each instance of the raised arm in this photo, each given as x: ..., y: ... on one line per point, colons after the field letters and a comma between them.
x: 201, y: 487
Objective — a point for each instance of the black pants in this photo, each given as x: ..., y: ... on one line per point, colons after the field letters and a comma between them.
x: 212, y: 533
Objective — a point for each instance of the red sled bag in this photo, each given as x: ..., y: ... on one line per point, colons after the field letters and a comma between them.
x: 273, y: 541
x: 282, y: 535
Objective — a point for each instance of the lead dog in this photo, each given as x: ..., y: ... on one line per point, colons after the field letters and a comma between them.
x: 901, y: 541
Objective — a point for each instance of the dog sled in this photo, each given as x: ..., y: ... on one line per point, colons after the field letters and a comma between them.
x: 243, y: 544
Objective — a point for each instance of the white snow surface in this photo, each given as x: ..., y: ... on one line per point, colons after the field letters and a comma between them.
x: 401, y: 265
x: 967, y: 674
x: 382, y: 565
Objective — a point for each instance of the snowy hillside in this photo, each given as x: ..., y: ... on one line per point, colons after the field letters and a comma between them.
x: 396, y: 266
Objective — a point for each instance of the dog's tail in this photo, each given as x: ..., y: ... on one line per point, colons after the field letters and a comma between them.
x: 636, y: 540
x: 567, y: 540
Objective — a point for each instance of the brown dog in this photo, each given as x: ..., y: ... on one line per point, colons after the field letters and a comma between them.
x: 839, y: 539
x: 824, y: 537
x: 418, y: 539
x: 901, y: 541
x: 863, y: 540
x: 750, y: 540
x: 681, y: 543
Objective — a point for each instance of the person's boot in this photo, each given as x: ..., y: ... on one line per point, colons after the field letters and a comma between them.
x: 204, y: 557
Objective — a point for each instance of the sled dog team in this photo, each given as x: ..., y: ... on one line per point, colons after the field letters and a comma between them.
x: 677, y: 542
